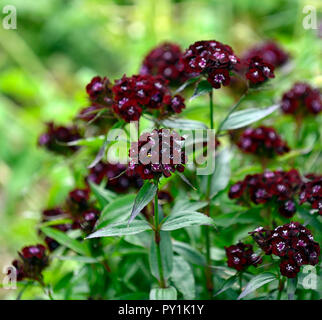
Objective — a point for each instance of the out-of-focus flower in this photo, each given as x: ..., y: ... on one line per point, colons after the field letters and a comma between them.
x: 270, y: 52
x: 302, y: 99
x: 259, y: 71
x: 166, y: 61
x: 277, y: 186
x: 311, y: 192
x: 262, y: 141
x: 118, y: 178
x: 55, y: 139
x: 32, y: 261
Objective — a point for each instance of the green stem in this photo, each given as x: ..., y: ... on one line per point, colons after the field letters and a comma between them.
x: 206, y: 229
x: 240, y: 278
x: 157, y: 240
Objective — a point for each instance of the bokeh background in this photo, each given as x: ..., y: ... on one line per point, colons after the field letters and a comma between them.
x: 60, y: 44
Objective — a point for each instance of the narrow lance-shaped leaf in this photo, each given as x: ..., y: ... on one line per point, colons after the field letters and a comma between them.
x: 186, y: 219
x: 202, y: 87
x: 121, y: 229
x: 243, y: 118
x: 144, y: 196
x: 183, y: 124
x: 182, y: 277
x: 257, y: 282
x: 102, y: 195
x: 65, y: 240
x: 169, y: 293
x: 221, y: 176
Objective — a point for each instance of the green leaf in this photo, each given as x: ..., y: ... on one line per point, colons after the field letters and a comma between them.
x: 183, y: 124
x: 240, y: 119
x: 65, y: 240
x: 144, y: 196
x: 221, y: 176
x: 183, y: 279
x: 121, y: 229
x: 185, y: 219
x: 169, y: 293
x: 226, y: 285
x: 203, y: 87
x: 119, y: 209
x: 189, y: 253
x: 187, y: 83
x: 186, y: 205
x: 102, y: 195
x: 166, y: 255
x: 257, y: 282
x: 89, y: 142
x: 291, y: 288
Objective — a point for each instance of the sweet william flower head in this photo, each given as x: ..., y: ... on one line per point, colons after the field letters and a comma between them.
x: 259, y: 71
x: 212, y: 59
x: 263, y: 142
x: 157, y: 153
x: 32, y: 261
x: 166, y: 61
x: 56, y: 137
x: 241, y: 256
x: 293, y: 243
x: 270, y: 52
x: 99, y: 91
x: 118, y: 178
x: 301, y: 100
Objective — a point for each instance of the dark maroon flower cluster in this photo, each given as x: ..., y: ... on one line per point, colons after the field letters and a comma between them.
x: 116, y: 181
x: 212, y: 58
x: 262, y: 141
x: 133, y: 95
x: 33, y: 260
x: 56, y: 137
x: 270, y: 52
x: 311, y: 192
x: 259, y: 71
x: 156, y: 153
x: 241, y: 256
x: 277, y: 186
x: 293, y: 243
x: 166, y: 61
x: 99, y: 91
x: 302, y: 99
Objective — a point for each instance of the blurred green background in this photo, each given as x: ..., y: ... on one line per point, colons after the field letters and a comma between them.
x: 60, y: 44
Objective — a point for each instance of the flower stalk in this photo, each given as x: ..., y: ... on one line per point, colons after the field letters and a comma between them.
x: 157, y: 240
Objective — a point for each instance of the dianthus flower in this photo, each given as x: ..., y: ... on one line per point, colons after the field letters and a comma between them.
x: 259, y: 71
x: 166, y: 61
x: 56, y: 137
x: 293, y: 243
x: 241, y: 256
x: 270, y: 52
x: 116, y: 181
x: 262, y: 141
x: 156, y: 153
x: 32, y: 261
x: 302, y: 99
x: 276, y: 186
x: 213, y: 59
x: 133, y: 95
x: 311, y: 192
